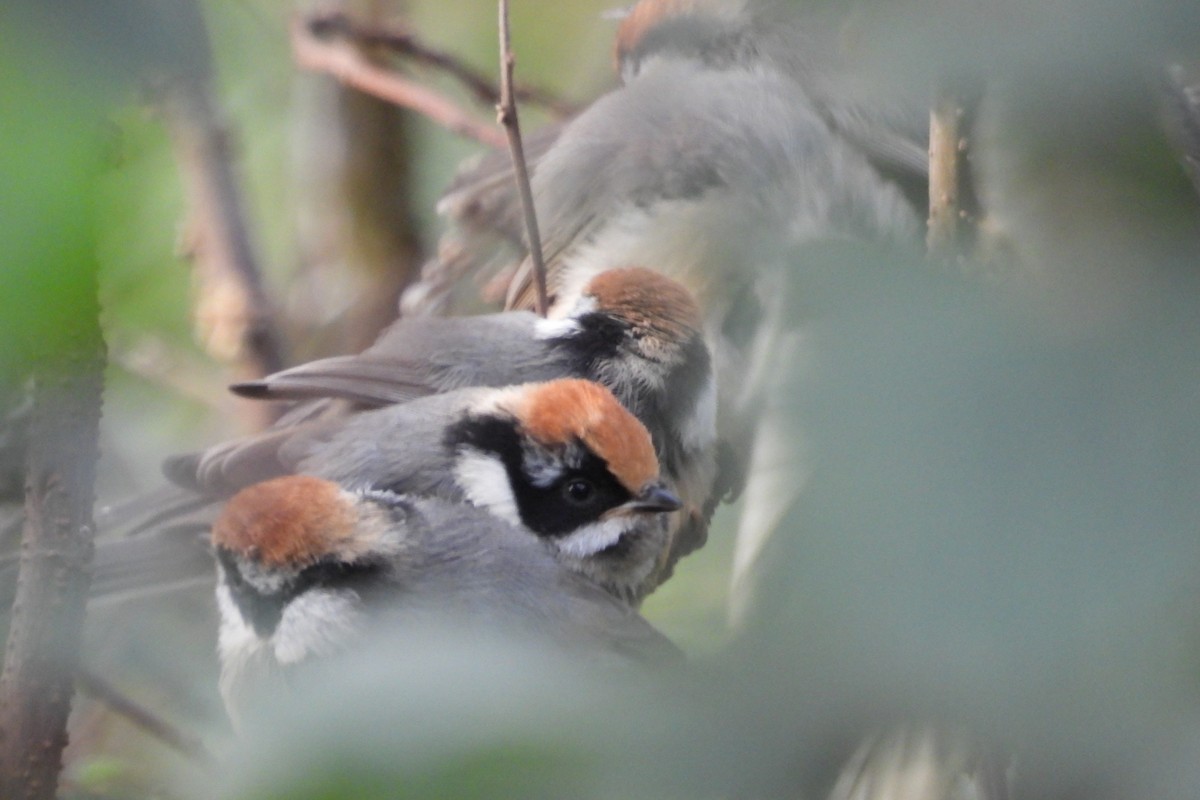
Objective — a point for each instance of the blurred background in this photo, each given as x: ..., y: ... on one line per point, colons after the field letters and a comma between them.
x: 999, y: 529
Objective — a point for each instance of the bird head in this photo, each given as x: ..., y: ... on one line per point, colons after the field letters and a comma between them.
x: 567, y: 461
x: 294, y: 555
x: 709, y: 31
x: 291, y: 542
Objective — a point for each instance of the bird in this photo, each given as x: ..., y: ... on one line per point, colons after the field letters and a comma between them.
x: 632, y: 329
x: 308, y: 568
x: 740, y: 135
x: 720, y: 101
x: 817, y: 51
x: 721, y: 160
x: 705, y: 174
x: 547, y: 456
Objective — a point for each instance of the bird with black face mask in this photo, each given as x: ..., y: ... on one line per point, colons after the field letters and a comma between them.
x: 307, y: 569
x: 741, y: 135
x: 553, y: 457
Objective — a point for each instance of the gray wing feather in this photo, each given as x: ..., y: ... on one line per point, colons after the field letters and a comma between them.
x: 483, y: 193
x: 422, y: 356
x: 755, y: 135
x: 364, y: 381
x: 224, y: 469
x: 399, y: 448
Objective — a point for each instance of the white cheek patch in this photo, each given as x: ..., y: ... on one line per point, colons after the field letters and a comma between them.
x: 318, y: 623
x: 236, y: 640
x: 485, y: 483
x: 555, y: 328
x: 591, y: 539
x: 563, y: 317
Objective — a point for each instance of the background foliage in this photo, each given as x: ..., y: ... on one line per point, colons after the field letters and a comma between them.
x: 1000, y: 526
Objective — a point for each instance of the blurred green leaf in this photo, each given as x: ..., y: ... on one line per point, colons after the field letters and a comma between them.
x: 1000, y: 524
x: 48, y: 164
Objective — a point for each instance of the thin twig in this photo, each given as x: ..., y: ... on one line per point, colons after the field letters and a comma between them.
x: 506, y: 115
x: 347, y: 65
x: 945, y: 160
x: 404, y: 42
x: 116, y: 700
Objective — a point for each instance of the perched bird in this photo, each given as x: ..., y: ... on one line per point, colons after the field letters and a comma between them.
x: 815, y: 49
x: 705, y: 174
x: 741, y: 133
x: 716, y: 162
x: 634, y: 330
x: 554, y: 457
x: 307, y: 567
x: 747, y: 107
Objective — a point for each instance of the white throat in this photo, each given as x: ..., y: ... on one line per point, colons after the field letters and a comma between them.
x: 591, y: 539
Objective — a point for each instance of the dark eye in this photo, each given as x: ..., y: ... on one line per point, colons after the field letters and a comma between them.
x: 578, y: 491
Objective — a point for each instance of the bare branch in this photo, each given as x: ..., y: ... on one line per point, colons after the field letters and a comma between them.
x: 404, y: 42
x: 233, y: 310
x: 119, y: 703
x: 946, y: 147
x: 506, y: 115
x: 56, y: 556
x: 347, y: 65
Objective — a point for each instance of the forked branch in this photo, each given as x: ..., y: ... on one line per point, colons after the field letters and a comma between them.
x: 344, y: 62
x: 403, y: 42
